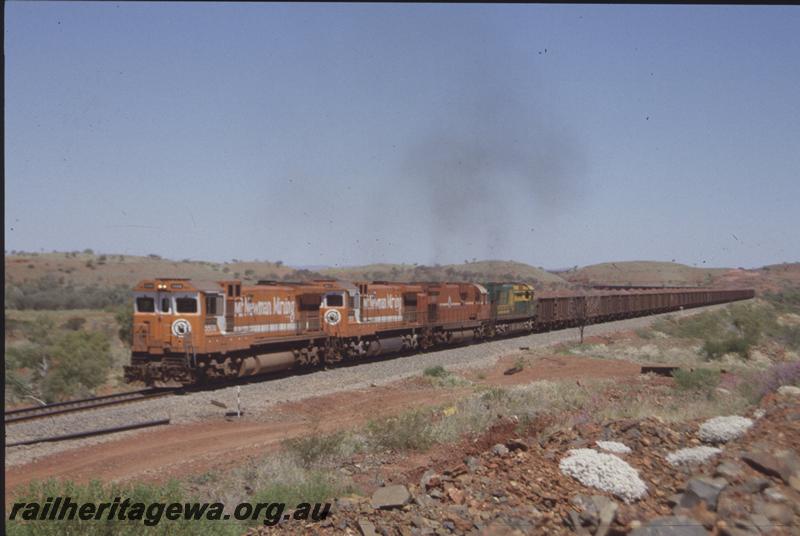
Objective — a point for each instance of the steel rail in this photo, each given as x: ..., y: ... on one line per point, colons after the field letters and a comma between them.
x: 89, y: 433
x: 70, y: 406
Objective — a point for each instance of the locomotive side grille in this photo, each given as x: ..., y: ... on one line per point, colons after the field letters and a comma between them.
x: 308, y: 321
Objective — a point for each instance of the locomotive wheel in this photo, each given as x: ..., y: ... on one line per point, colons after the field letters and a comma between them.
x: 410, y: 342
x: 333, y: 352
x: 427, y: 341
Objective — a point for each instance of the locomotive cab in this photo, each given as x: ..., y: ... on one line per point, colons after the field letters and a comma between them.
x: 334, y: 306
x: 512, y: 299
x: 342, y: 303
x: 170, y: 313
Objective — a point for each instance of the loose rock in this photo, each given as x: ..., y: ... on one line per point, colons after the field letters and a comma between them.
x: 772, y: 494
x: 728, y: 470
x: 703, y: 489
x: 783, y: 464
x: 692, y: 455
x: 429, y: 479
x: 671, y: 526
x: 604, y: 471
x: 390, y: 497
x: 756, y: 485
x: 517, y: 444
x: 366, y: 528
x: 499, y: 450
x: 779, y: 513
x: 614, y: 446
x: 724, y: 429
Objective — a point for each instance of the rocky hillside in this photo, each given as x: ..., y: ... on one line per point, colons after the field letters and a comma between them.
x: 726, y: 475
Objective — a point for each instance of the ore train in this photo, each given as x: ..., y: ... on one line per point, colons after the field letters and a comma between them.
x: 187, y: 332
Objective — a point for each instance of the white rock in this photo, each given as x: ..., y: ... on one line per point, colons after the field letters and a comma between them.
x: 604, y: 471
x: 789, y: 390
x: 759, y: 413
x: 723, y: 429
x: 613, y: 446
x: 692, y: 455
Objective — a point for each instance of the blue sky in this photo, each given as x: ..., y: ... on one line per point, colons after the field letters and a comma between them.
x: 555, y: 135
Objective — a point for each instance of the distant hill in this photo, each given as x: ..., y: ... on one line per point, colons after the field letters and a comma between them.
x: 109, y: 270
x: 479, y: 271
x: 643, y: 273
x: 772, y: 278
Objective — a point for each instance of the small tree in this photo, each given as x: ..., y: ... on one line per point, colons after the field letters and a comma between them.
x: 55, y: 367
x: 124, y: 319
x: 80, y: 362
x: 75, y: 323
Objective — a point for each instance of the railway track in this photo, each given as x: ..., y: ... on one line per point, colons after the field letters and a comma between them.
x: 70, y: 406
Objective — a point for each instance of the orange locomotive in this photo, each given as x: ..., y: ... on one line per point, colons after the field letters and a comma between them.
x: 187, y: 331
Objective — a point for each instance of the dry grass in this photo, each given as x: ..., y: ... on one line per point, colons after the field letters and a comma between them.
x: 277, y: 478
